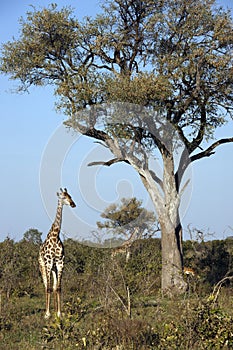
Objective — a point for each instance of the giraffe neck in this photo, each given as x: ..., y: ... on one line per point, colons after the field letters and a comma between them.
x: 56, y: 226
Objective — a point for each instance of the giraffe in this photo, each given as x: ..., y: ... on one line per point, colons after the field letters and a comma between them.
x: 126, y: 245
x: 51, y: 255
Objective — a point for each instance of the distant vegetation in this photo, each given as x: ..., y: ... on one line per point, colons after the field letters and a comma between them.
x: 111, y: 304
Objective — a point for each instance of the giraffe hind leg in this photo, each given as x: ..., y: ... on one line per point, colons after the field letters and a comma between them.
x: 48, y: 295
x: 54, y: 272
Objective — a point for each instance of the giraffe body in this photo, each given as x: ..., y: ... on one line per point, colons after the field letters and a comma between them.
x: 51, y: 256
x: 125, y: 247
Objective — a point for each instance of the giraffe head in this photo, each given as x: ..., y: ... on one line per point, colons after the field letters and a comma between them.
x: 65, y: 198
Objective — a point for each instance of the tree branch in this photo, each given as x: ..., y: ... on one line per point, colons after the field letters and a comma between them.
x: 156, y: 179
x: 109, y: 162
x: 87, y: 131
x: 200, y: 136
x: 209, y: 151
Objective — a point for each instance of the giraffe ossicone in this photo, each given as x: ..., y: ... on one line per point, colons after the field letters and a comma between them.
x: 51, y: 255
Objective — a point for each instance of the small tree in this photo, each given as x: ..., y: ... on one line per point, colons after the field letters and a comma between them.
x: 173, y: 59
x: 33, y: 236
x: 122, y: 219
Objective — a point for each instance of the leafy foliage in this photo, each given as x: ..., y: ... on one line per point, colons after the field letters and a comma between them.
x: 124, y: 217
x: 33, y: 236
x: 174, y: 55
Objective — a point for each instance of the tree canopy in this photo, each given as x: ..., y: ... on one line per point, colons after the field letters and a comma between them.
x: 33, y: 236
x: 122, y: 218
x: 170, y: 54
x: 174, y: 56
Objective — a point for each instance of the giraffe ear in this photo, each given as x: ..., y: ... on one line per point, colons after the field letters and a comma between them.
x: 57, y: 194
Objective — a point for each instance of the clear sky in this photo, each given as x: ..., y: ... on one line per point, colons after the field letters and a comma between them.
x: 37, y: 156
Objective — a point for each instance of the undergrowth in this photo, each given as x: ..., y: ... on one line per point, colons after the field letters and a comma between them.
x: 111, y: 305
x: 183, y: 323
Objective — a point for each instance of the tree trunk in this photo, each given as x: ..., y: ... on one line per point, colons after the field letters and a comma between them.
x: 167, y: 208
x: 171, y: 232
x: 172, y: 281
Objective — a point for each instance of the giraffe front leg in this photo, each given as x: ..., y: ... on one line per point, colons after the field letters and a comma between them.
x: 45, y: 273
x: 59, y: 303
x: 47, y: 296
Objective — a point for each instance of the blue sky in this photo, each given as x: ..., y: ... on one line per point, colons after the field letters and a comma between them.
x: 37, y: 157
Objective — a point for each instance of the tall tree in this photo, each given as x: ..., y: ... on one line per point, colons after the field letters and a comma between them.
x: 173, y: 59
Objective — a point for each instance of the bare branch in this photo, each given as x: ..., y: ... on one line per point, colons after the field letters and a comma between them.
x: 218, y: 286
x: 101, y: 144
x: 127, y: 308
x: 109, y: 162
x: 209, y: 151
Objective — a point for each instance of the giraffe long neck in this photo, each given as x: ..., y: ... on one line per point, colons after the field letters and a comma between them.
x: 56, y: 226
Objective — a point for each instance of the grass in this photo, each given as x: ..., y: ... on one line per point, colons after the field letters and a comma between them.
x: 21, y: 323
x: 156, y: 323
